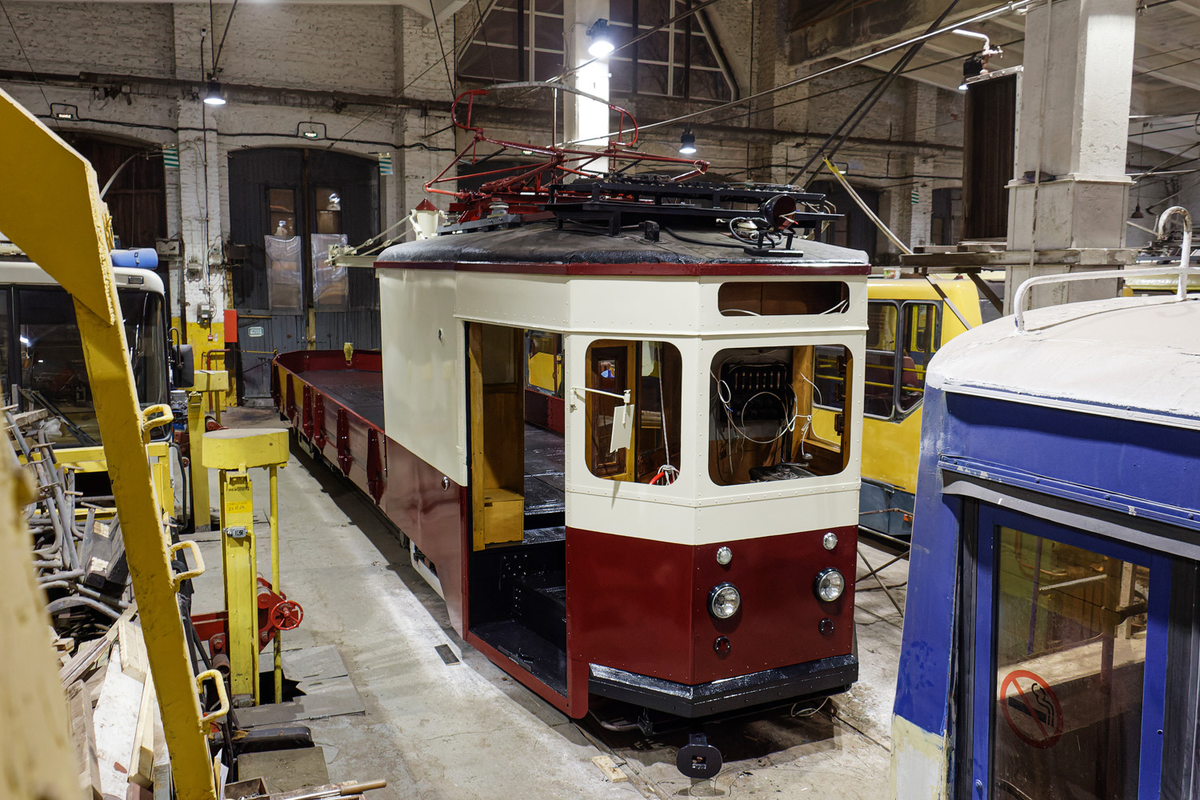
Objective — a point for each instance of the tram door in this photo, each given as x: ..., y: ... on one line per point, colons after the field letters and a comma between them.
x: 1070, y: 649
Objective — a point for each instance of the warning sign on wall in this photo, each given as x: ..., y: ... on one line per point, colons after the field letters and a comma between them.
x: 1031, y: 708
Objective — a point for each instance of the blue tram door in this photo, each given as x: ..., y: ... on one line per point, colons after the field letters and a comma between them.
x: 1069, y: 663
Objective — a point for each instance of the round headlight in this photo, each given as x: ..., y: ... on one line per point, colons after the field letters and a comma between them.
x: 830, y: 585
x: 724, y: 601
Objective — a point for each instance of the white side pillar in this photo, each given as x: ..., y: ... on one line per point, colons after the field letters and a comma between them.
x: 1074, y: 120
x: 200, y: 221
x: 1069, y: 200
x: 586, y: 122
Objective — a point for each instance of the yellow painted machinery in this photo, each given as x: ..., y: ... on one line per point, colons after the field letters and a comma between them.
x: 256, y: 611
x: 206, y: 384
x: 57, y: 218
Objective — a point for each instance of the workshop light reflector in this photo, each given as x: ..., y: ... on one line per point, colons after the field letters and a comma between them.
x: 972, y: 67
x: 687, y: 143
x: 602, y: 43
x: 213, y: 95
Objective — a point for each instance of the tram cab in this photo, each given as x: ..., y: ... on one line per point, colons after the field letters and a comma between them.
x: 1050, y: 645
x: 685, y: 541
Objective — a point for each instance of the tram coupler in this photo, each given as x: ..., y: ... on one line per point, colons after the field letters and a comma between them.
x: 698, y: 758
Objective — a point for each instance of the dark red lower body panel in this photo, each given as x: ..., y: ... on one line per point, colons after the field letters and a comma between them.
x: 638, y: 626
x: 642, y: 606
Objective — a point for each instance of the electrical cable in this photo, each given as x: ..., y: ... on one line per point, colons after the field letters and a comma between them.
x: 997, y: 11
x: 229, y: 19
x: 28, y: 63
x: 868, y: 102
x: 445, y: 62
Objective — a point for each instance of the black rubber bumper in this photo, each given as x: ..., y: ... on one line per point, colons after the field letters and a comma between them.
x: 815, y: 678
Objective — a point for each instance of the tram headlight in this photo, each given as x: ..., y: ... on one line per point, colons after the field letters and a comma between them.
x: 724, y: 601
x: 829, y: 585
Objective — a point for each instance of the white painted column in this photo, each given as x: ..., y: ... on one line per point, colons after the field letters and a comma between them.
x: 200, y: 214
x: 1074, y: 119
x: 586, y: 122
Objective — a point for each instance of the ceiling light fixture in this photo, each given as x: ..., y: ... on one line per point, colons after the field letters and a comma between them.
x: 972, y: 67
x: 602, y: 43
x: 687, y: 143
x: 64, y: 111
x: 311, y: 130
x: 976, y: 64
x: 213, y: 96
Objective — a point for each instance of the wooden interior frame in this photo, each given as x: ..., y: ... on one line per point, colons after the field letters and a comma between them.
x: 497, y: 435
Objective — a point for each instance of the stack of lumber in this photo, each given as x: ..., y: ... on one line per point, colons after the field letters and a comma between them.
x: 114, y: 716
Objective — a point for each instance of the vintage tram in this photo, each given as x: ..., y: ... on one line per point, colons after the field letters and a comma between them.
x: 1050, y: 637
x: 685, y: 541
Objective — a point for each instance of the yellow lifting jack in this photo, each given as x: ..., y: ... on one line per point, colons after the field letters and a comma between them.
x: 205, y: 383
x: 57, y: 218
x: 256, y: 611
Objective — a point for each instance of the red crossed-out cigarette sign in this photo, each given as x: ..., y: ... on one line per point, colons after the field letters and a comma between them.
x: 1031, y: 708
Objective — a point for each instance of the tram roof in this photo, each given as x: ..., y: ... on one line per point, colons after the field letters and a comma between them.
x: 574, y: 249
x: 1132, y: 358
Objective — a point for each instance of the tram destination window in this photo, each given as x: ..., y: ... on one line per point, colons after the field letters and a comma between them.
x: 896, y: 364
x: 778, y: 413
x: 1071, y: 633
x: 652, y: 374
x: 782, y: 298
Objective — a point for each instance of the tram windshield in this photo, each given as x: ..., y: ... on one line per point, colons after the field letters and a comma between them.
x: 761, y: 413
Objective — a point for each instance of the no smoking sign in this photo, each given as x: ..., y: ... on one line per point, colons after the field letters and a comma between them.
x: 1031, y: 709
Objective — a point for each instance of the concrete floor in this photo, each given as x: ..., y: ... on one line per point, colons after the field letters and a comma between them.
x: 467, y: 730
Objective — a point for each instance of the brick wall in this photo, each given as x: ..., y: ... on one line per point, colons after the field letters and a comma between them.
x: 372, y: 74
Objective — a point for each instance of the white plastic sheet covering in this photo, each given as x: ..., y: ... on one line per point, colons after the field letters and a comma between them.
x: 285, y: 290
x: 331, y: 284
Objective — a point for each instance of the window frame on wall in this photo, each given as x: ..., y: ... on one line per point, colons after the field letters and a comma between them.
x: 692, y: 49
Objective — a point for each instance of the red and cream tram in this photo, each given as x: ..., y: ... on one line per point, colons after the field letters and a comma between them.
x: 687, y: 543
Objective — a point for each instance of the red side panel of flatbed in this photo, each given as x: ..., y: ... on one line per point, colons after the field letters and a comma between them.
x: 337, y: 407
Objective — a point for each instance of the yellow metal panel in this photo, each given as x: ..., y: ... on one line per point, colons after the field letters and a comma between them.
x: 201, y: 506
x: 244, y: 448
x: 240, y: 564
x: 216, y: 380
x: 58, y: 219
x: 205, y: 339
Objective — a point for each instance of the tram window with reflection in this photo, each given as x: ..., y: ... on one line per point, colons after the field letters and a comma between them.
x: 901, y: 339
x: 761, y: 413
x: 648, y: 426
x: 1071, y: 661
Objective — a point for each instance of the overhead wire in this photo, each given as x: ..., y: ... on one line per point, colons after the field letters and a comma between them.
x: 28, y: 62
x: 997, y: 11
x: 867, y: 103
x: 221, y: 47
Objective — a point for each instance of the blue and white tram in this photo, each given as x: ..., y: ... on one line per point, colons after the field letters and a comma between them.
x: 1052, y: 639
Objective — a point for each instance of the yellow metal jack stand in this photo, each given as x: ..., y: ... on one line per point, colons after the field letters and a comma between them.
x: 206, y: 382
x: 233, y: 452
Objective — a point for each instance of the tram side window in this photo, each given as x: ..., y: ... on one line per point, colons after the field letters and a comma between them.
x: 896, y: 364
x: 782, y: 298
x: 764, y: 424
x: 652, y: 373
x: 543, y: 362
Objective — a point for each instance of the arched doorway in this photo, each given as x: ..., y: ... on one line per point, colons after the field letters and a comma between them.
x: 286, y: 205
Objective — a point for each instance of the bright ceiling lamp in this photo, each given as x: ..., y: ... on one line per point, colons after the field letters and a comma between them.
x: 602, y: 43
x: 687, y: 143
x: 213, y: 95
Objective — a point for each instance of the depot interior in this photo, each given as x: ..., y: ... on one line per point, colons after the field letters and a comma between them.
x: 263, y: 154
